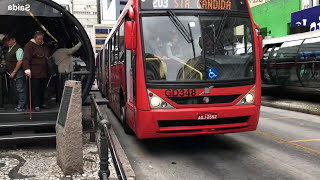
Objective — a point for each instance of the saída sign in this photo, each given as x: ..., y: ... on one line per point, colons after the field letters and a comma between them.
x: 20, y: 8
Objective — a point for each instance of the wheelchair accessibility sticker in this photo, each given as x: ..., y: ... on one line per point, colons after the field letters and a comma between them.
x: 212, y: 73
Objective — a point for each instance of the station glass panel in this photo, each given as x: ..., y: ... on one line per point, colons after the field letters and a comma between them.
x: 284, y: 61
x: 309, y: 63
x: 265, y: 64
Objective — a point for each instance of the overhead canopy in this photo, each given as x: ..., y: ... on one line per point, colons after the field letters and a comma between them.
x: 19, y: 8
x: 24, y: 17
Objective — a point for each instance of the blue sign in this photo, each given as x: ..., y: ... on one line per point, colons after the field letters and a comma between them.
x: 307, y: 17
x: 212, y: 73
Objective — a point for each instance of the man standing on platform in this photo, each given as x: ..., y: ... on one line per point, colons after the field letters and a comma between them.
x: 14, y: 64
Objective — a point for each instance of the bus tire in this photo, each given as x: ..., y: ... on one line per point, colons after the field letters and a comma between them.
x: 123, y: 120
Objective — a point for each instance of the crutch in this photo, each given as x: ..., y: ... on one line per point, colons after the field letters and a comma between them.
x: 49, y: 81
x: 30, y: 98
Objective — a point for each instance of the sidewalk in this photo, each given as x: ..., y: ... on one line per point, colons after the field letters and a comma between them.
x: 300, y: 100
x: 37, y: 161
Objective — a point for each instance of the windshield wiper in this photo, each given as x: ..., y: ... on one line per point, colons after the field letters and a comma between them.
x: 176, y: 21
x: 222, y: 23
x: 184, y: 32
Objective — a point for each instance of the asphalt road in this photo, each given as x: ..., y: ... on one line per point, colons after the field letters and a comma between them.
x: 285, y: 146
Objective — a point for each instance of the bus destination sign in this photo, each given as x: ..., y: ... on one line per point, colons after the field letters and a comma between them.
x: 195, y: 4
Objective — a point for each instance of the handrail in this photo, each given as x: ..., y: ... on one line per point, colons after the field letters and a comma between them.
x: 180, y: 61
x: 104, y: 142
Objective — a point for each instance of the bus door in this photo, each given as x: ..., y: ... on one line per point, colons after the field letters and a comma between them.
x: 130, y: 74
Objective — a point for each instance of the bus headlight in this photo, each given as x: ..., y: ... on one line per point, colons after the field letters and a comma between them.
x: 248, y: 99
x: 155, y: 101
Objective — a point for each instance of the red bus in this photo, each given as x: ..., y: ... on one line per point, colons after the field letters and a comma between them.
x: 183, y: 68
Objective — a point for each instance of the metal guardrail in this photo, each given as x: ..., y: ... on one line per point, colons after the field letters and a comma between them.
x: 104, y: 142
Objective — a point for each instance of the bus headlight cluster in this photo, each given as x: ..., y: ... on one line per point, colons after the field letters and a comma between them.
x: 157, y: 103
x: 248, y: 98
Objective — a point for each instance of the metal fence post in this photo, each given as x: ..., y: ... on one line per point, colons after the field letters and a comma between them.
x: 104, y: 155
x: 93, y: 122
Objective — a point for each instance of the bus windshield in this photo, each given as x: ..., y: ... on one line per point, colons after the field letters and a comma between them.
x: 198, y: 48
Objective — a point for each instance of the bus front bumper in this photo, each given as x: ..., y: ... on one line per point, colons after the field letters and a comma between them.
x: 184, y: 122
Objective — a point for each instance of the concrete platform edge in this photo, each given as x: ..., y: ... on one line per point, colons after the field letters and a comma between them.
x: 291, y: 108
x: 130, y: 175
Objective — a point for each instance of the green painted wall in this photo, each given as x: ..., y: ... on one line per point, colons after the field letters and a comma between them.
x: 275, y: 15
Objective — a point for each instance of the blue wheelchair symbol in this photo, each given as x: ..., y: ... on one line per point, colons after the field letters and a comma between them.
x: 212, y: 73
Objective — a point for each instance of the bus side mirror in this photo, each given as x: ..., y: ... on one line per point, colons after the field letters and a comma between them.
x: 260, y: 43
x: 130, y: 35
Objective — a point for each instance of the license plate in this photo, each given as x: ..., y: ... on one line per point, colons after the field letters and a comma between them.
x: 207, y: 116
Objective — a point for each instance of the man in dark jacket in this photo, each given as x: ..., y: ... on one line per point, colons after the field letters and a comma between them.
x: 35, y: 66
x: 14, y: 65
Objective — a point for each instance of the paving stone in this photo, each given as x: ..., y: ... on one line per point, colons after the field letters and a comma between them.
x: 38, y: 163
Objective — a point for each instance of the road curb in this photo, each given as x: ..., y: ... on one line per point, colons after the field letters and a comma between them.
x: 292, y: 106
x: 130, y: 175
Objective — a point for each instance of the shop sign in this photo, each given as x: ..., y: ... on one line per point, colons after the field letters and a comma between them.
x: 307, y: 17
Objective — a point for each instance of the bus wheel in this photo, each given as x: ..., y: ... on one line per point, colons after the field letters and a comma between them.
x: 123, y: 120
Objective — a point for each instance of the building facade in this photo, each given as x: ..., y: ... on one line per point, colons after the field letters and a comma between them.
x: 111, y: 9
x: 97, y: 17
x: 86, y: 12
x: 275, y: 17
x: 65, y: 3
x: 101, y: 32
x: 253, y: 3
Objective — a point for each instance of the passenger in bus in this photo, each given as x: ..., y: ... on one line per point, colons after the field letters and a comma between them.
x: 153, y: 45
x: 63, y: 57
x: 174, y: 48
x: 35, y: 66
x: 14, y: 65
x: 154, y: 48
x: 175, y: 54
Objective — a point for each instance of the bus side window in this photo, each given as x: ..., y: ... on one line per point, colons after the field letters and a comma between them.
x: 106, y: 59
x: 110, y: 51
x: 115, y: 50
x: 121, y: 44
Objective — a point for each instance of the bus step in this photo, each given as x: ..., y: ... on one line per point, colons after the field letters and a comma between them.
x: 27, y: 124
x: 27, y: 135
x: 13, y: 117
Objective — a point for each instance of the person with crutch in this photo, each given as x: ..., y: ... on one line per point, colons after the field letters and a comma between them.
x: 35, y: 67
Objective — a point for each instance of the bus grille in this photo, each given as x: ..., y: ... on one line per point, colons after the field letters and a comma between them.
x: 177, y: 123
x: 199, y: 99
